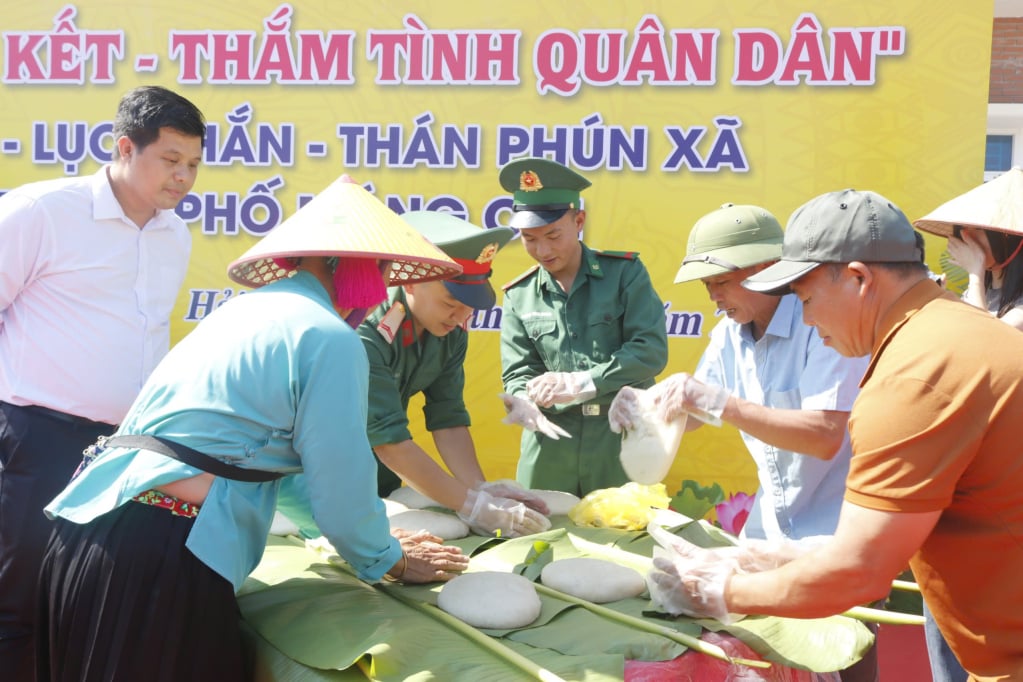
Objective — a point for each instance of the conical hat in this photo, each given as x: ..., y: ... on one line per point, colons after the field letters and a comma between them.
x: 995, y: 205
x: 347, y: 221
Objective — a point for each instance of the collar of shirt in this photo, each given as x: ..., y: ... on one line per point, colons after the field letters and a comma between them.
x: 105, y: 205
x: 783, y: 322
x: 405, y: 333
x: 899, y: 313
x: 307, y: 282
x: 589, y: 266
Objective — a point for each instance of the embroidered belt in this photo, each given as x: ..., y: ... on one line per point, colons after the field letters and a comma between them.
x: 177, y: 507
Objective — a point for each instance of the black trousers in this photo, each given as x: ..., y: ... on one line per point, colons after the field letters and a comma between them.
x: 39, y: 451
x: 122, y: 599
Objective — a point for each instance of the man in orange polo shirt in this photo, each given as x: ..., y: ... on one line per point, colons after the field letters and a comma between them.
x: 936, y: 477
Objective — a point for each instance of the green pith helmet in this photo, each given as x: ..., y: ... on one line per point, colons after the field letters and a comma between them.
x: 470, y: 246
x: 542, y: 191
x: 730, y: 238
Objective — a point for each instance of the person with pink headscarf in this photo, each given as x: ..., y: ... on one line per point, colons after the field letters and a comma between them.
x: 165, y: 520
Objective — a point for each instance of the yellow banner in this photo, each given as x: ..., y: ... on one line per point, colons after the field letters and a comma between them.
x: 670, y: 108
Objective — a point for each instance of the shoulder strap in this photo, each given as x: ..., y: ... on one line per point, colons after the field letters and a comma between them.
x: 194, y: 458
x: 627, y: 255
x: 524, y: 275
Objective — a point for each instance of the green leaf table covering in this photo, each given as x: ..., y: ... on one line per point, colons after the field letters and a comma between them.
x: 309, y: 619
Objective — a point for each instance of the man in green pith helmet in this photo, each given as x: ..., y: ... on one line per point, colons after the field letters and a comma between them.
x: 771, y: 376
x: 416, y: 342
x: 575, y: 328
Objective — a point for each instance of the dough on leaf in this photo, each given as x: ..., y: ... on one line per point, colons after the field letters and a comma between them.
x: 444, y: 526
x: 391, y: 507
x: 412, y: 498
x: 594, y: 580
x: 491, y: 599
x: 558, y: 501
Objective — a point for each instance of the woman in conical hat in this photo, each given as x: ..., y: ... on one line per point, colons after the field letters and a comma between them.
x: 151, y: 544
x: 985, y: 236
x: 347, y: 232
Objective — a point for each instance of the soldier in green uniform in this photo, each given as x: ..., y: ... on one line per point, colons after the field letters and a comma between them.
x: 575, y: 328
x: 416, y: 342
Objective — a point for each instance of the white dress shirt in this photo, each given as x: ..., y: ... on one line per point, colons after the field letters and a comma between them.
x: 85, y: 296
x: 789, y: 367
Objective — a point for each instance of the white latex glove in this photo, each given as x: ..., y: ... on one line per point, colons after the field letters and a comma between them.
x: 561, y: 388
x: 691, y: 580
x: 487, y: 514
x: 682, y: 393
x: 750, y: 555
x: 513, y: 491
x: 528, y: 416
x: 624, y: 412
x: 691, y: 586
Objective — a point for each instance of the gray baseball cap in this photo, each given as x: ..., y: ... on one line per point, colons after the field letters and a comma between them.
x: 839, y: 227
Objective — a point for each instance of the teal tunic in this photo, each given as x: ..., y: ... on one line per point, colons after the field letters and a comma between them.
x: 401, y: 368
x: 610, y: 324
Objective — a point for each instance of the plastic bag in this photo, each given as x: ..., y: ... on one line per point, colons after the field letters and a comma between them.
x: 629, y: 507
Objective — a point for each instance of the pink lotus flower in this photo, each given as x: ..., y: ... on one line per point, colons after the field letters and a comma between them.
x: 733, y: 512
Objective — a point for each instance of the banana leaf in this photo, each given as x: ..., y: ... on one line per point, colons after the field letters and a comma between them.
x: 821, y: 645
x: 328, y: 620
x: 321, y: 616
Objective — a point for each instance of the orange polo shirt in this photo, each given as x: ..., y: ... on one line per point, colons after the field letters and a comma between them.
x: 938, y: 425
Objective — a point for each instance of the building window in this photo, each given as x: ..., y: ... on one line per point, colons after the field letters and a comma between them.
x: 998, y: 155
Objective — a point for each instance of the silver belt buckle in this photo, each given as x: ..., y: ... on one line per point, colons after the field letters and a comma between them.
x: 591, y: 410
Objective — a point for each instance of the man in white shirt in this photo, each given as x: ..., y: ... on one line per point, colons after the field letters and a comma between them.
x: 89, y: 271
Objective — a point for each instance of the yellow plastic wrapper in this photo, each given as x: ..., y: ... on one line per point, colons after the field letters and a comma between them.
x: 629, y: 507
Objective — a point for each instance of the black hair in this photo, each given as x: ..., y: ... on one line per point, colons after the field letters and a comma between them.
x: 144, y: 110
x: 903, y: 269
x: 1003, y: 247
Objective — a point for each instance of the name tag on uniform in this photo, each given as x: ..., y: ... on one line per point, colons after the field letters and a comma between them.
x: 391, y: 321
x: 591, y: 410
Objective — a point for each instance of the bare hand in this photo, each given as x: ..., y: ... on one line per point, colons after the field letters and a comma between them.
x: 968, y: 252
x: 429, y: 560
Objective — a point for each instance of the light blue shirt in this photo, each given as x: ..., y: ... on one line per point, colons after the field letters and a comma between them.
x: 788, y: 368
x: 274, y: 379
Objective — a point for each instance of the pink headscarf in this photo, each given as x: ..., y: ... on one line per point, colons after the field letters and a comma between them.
x: 358, y: 285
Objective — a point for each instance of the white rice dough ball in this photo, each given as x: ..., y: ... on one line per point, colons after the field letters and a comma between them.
x: 412, y: 498
x: 594, y: 580
x: 391, y: 507
x: 444, y: 526
x: 558, y: 501
x: 282, y: 525
x: 491, y: 599
x: 649, y: 448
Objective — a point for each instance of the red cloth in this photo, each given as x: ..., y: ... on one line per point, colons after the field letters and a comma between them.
x: 692, y: 665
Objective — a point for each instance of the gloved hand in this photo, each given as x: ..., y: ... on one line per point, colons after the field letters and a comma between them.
x: 750, y: 555
x: 625, y: 410
x: 690, y: 580
x: 691, y: 586
x: 513, y: 491
x: 682, y: 393
x: 487, y: 514
x: 560, y: 388
x: 528, y: 416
